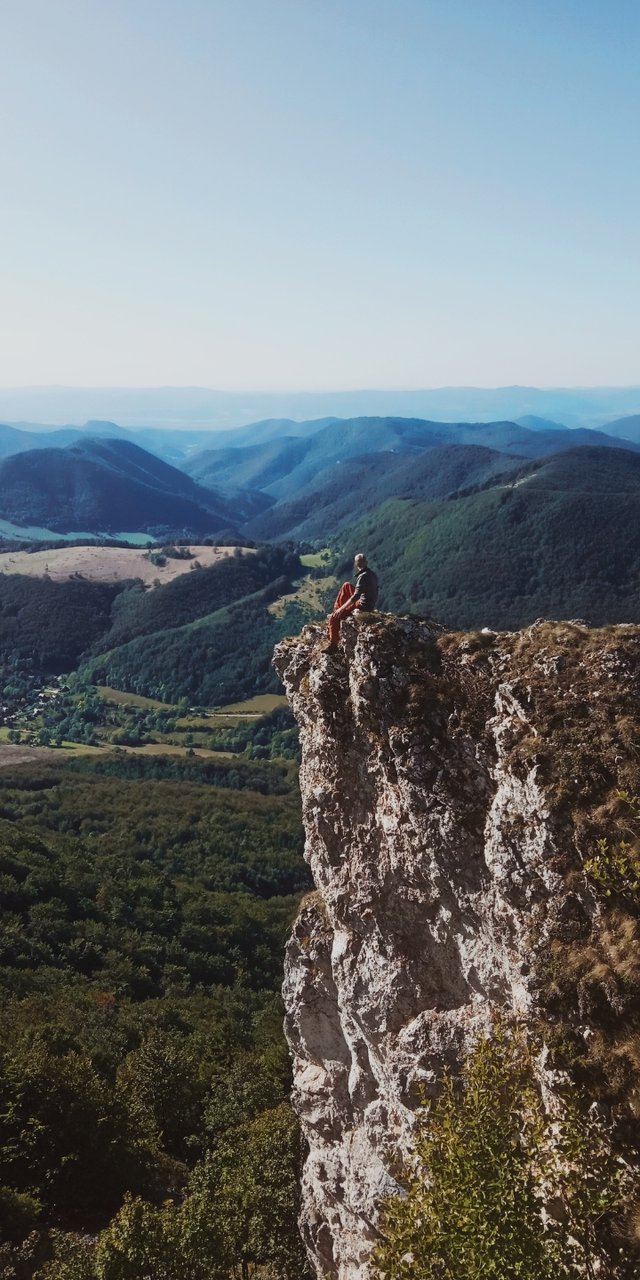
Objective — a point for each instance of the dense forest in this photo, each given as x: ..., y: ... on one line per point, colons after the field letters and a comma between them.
x: 185, y: 639
x: 223, y: 656
x: 144, y: 1074
x: 75, y: 614
x: 561, y: 540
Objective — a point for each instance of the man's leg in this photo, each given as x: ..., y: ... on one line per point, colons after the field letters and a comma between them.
x: 345, y: 593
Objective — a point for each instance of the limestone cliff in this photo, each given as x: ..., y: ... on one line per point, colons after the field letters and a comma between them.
x: 452, y: 787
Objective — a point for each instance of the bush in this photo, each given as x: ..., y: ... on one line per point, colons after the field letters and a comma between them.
x: 485, y: 1160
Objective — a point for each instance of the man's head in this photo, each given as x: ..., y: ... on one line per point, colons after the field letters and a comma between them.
x: 360, y: 562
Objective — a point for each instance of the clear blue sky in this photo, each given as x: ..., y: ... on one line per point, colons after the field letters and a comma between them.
x: 319, y: 193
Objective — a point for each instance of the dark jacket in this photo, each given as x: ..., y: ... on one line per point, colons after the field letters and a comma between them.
x: 366, y: 591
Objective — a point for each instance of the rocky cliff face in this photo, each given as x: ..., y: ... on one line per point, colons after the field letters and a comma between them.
x: 452, y: 786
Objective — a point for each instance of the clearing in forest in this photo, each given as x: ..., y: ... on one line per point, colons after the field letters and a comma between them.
x: 113, y: 564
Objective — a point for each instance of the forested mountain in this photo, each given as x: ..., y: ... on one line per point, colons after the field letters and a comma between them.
x: 226, y: 632
x: 625, y: 428
x: 111, y: 485
x: 252, y: 466
x: 284, y: 468
x: 347, y: 490
x: 559, y: 537
x: 175, y: 445
x: 268, y: 429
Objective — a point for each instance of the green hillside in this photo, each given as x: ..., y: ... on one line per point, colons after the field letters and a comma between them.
x: 348, y: 490
x: 224, y: 656
x: 109, y: 485
x: 561, y: 539
x: 252, y: 466
x: 198, y: 593
x: 51, y: 624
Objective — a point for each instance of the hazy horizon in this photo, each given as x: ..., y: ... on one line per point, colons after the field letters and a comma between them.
x: 211, y: 408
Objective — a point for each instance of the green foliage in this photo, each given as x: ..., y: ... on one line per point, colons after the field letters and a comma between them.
x: 239, y: 1214
x: 76, y: 613
x: 615, y: 867
x: 485, y: 1159
x: 248, y: 1186
x: 195, y: 595
x: 220, y: 658
x: 61, y: 1131
x: 73, y: 1258
x: 267, y: 778
x: 143, y: 1241
x: 553, y: 545
x: 140, y: 955
x: 19, y: 1213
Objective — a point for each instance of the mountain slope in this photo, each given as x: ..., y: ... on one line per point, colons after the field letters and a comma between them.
x: 111, y: 485
x: 560, y: 538
x: 626, y: 428
x: 285, y: 467
x: 253, y: 466
x: 347, y: 490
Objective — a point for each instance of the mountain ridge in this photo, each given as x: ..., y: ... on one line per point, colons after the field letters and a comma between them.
x: 109, y: 485
x: 208, y: 407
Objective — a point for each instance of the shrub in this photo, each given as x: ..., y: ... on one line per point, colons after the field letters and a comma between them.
x: 485, y: 1159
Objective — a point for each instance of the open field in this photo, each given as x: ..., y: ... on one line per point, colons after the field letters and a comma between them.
x: 316, y: 559
x: 310, y: 594
x: 168, y: 749
x: 109, y: 564
x: 260, y: 705
x: 19, y: 753
x: 249, y: 709
x: 132, y: 699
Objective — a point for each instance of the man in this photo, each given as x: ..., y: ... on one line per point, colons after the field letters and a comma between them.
x: 363, y: 596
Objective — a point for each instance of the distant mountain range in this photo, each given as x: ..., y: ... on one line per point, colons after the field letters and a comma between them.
x: 285, y: 467
x: 478, y: 524
x: 204, y: 408
x: 469, y: 520
x: 113, y: 485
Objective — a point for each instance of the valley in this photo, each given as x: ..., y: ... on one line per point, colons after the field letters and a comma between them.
x: 151, y: 845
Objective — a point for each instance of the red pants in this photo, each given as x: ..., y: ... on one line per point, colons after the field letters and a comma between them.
x: 345, y: 593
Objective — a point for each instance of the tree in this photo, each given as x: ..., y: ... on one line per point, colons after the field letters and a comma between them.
x: 250, y: 1187
x: 485, y: 1159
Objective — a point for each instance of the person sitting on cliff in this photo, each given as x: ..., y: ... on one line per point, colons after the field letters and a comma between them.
x: 363, y: 596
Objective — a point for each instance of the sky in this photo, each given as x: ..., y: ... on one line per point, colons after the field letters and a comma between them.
x: 315, y: 194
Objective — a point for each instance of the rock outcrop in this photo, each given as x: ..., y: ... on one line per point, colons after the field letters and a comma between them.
x: 452, y: 787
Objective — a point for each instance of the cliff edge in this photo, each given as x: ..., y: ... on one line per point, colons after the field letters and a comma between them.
x: 453, y: 787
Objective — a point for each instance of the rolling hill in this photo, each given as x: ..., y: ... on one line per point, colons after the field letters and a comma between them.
x: 252, y: 466
x: 560, y: 537
x: 284, y: 468
x: 626, y: 428
x: 110, y: 485
x: 347, y: 490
